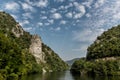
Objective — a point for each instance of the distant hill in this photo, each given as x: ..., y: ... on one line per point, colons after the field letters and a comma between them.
x: 22, y: 53
x: 70, y: 62
x: 103, y: 56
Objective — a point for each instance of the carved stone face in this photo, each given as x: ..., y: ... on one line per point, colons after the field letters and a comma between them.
x: 36, y: 48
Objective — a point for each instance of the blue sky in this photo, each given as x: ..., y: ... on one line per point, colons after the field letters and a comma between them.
x: 67, y: 26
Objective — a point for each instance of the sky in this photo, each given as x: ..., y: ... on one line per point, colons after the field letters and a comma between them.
x: 67, y: 26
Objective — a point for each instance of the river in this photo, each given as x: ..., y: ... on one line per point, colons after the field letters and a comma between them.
x: 66, y: 75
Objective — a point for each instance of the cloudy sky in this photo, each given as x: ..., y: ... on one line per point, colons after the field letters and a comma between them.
x: 67, y: 26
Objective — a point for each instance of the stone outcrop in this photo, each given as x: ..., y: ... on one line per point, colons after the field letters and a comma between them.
x: 36, y: 49
x: 31, y: 54
x: 18, y: 31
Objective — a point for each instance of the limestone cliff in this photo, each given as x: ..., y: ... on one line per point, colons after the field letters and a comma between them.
x: 36, y: 49
x: 17, y: 30
x: 34, y: 55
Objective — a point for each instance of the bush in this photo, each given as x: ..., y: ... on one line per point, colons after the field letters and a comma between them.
x: 1, y: 77
x: 12, y: 76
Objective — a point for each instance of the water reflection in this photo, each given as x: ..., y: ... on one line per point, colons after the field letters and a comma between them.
x: 85, y: 77
x: 46, y: 76
x: 66, y: 75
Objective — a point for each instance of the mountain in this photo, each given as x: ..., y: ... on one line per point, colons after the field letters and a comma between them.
x: 70, y: 62
x: 23, y: 53
x: 103, y: 56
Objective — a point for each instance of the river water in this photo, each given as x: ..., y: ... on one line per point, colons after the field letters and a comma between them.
x: 66, y: 75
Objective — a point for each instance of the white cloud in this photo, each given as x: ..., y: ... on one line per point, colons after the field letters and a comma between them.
x: 53, y: 10
x: 106, y: 10
x: 43, y: 12
x: 82, y: 48
x: 56, y: 16
x: 27, y: 15
x: 93, y: 23
x: 88, y: 3
x: 58, y: 29
x: 107, y: 15
x: 63, y: 22
x: 88, y: 15
x: 81, y: 10
x: 68, y: 6
x: 69, y: 15
x: 78, y: 15
x: 72, y: 0
x: 39, y: 24
x: 24, y: 22
x: 38, y: 3
x: 87, y: 35
x: 116, y: 16
x: 1, y: 10
x: 27, y: 28
x: 62, y: 7
x: 43, y: 17
x: 14, y: 16
x: 76, y: 4
x: 55, y: 29
x: 115, y: 12
x: 12, y: 6
x: 47, y: 24
x: 51, y: 21
x: 42, y: 3
x: 27, y: 7
x: 99, y: 3
x: 59, y: 0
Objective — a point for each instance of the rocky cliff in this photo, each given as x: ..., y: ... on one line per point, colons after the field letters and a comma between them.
x: 23, y: 53
x: 17, y: 30
x: 36, y: 49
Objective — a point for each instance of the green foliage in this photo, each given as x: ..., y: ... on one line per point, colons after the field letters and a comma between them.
x: 106, y: 45
x: 53, y: 61
x: 78, y: 65
x: 103, y: 56
x: 15, y: 59
x: 37, y: 68
x: 100, y: 67
x: 1, y: 77
x: 24, y: 40
x: 12, y: 76
x: 6, y: 22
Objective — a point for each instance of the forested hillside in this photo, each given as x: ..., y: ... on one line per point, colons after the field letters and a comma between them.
x: 103, y: 56
x: 22, y: 53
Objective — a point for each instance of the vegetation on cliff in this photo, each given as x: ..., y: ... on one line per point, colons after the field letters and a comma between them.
x: 53, y: 60
x: 106, y: 45
x: 103, y: 56
x: 15, y: 61
x: 15, y: 57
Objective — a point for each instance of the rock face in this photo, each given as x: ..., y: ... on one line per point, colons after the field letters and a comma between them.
x: 36, y: 49
x: 30, y: 50
x: 17, y: 30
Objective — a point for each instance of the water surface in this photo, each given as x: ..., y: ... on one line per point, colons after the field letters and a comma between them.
x: 66, y: 75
